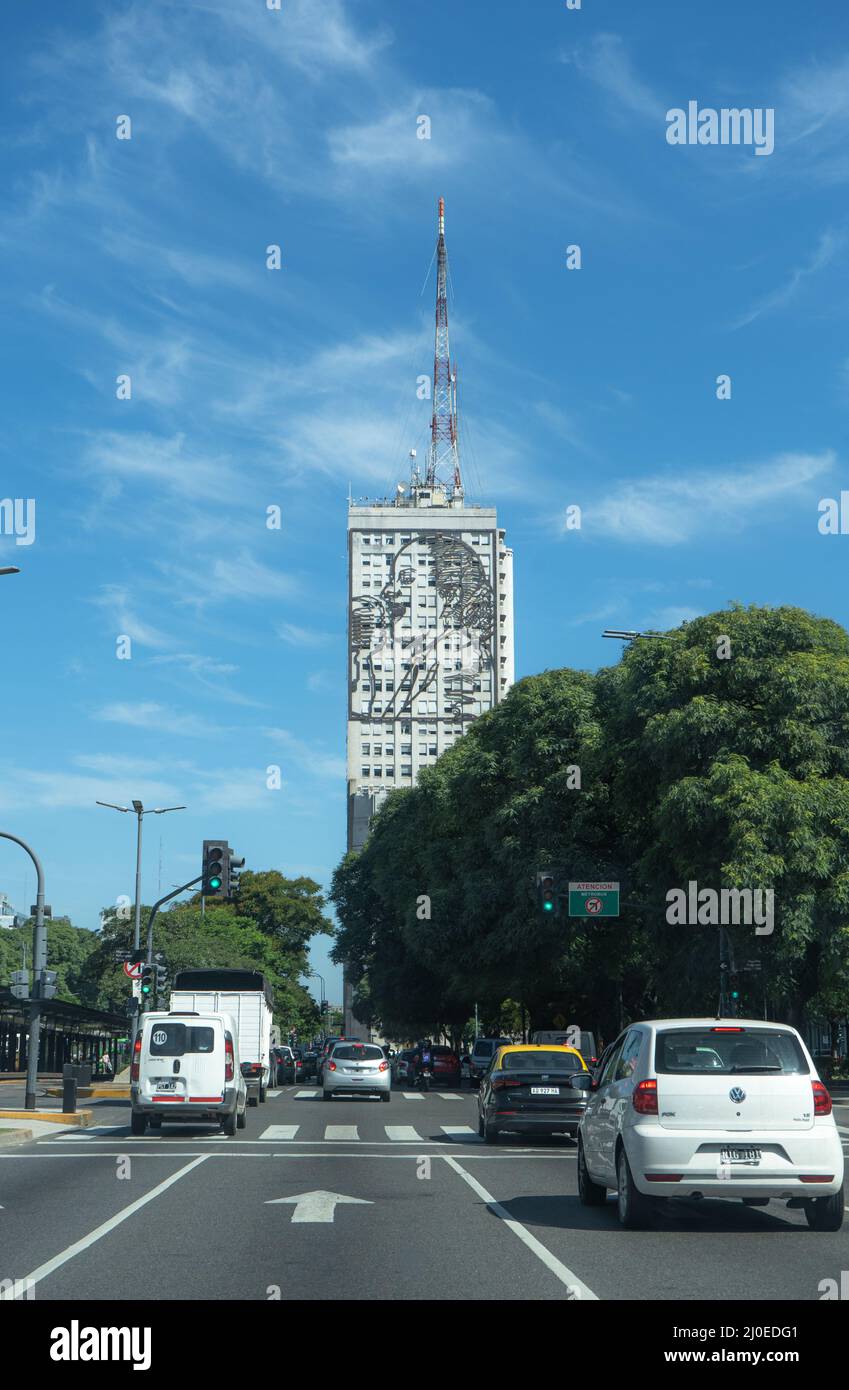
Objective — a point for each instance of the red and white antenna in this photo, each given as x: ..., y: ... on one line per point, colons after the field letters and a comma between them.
x: 444, y: 460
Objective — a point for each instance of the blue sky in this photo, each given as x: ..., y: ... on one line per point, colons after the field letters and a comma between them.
x: 253, y: 388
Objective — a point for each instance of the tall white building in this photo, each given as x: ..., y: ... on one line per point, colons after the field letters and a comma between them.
x: 430, y: 614
x: 430, y: 636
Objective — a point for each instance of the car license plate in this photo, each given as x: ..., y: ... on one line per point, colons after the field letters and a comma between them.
x: 736, y: 1155
x: 545, y: 1090
x: 166, y: 1085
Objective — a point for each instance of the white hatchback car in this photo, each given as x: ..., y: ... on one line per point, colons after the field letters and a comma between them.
x: 701, y: 1107
x: 353, y: 1068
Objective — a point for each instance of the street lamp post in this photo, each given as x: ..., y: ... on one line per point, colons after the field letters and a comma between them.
x: 140, y: 814
x: 39, y: 965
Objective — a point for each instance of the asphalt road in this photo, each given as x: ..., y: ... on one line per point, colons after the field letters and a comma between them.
x: 431, y: 1212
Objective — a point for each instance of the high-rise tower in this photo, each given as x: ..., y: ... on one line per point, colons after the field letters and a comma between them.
x: 430, y: 611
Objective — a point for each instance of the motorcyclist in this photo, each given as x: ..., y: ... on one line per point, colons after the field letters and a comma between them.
x: 423, y: 1058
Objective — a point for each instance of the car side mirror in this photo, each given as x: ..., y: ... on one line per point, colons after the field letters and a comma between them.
x: 582, y: 1081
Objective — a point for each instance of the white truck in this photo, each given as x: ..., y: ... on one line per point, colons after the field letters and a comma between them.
x: 247, y: 997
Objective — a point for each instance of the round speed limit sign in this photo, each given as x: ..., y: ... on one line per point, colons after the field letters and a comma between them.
x: 593, y: 905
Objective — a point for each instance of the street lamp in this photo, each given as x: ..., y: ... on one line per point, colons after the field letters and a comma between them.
x: 628, y: 636
x: 140, y: 812
x: 9, y: 569
x: 323, y: 990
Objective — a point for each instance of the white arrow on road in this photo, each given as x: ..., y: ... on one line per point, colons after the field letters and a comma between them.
x: 317, y: 1206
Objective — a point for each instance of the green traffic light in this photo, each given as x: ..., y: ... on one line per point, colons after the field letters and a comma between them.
x: 548, y: 907
x: 215, y: 883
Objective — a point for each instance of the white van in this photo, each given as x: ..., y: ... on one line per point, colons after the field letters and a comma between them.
x: 186, y: 1067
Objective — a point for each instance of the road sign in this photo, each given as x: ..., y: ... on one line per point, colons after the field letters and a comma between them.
x: 317, y: 1206
x: 133, y: 971
x: 120, y: 956
x: 752, y: 965
x: 594, y: 899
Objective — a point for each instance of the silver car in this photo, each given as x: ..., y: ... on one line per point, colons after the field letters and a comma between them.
x: 353, y: 1068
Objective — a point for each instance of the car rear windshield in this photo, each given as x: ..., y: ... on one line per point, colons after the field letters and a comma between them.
x: 707, y: 1051
x: 541, y: 1061
x: 176, y: 1039
x: 352, y: 1053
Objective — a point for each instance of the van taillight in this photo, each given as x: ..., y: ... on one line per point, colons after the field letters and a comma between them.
x: 229, y: 1060
x: 644, y: 1098
x: 822, y: 1099
x: 134, y: 1069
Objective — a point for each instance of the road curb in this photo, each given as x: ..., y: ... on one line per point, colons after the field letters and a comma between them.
x: 15, y: 1136
x: 94, y: 1092
x: 82, y: 1118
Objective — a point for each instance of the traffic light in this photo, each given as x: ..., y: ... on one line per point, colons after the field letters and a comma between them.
x: 20, y: 984
x: 47, y: 984
x: 160, y: 975
x: 734, y: 986
x: 547, y: 892
x: 216, y: 869
x: 146, y: 981
x: 234, y: 872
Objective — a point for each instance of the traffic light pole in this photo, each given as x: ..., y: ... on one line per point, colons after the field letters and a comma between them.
x: 39, y: 963
x: 149, y: 953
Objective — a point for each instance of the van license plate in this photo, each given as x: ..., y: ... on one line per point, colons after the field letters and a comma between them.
x: 166, y: 1085
x: 545, y: 1090
x: 739, y: 1155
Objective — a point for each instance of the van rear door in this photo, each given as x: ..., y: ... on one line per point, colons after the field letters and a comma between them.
x: 184, y: 1061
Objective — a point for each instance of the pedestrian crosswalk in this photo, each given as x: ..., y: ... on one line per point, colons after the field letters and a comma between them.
x: 350, y: 1134
x: 402, y: 1095
x: 288, y: 1134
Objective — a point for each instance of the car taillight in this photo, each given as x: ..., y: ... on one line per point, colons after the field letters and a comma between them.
x: 331, y: 1066
x: 383, y: 1066
x: 134, y: 1069
x: 501, y: 1081
x: 229, y: 1060
x: 644, y: 1098
x: 822, y: 1099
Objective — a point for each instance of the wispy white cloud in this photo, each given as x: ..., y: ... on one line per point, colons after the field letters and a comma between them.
x: 605, y: 60
x: 302, y: 636
x: 828, y: 246
x: 309, y: 756
x: 115, y: 600
x: 670, y: 509
x: 148, y: 714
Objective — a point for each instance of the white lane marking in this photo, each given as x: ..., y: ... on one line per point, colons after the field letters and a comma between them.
x: 413, y: 1095
x: 280, y: 1132
x: 460, y: 1131
x: 449, y: 1095
x: 305, y: 1095
x: 841, y: 1129
x: 347, y: 1132
x: 317, y: 1206
x: 576, y: 1286
x: 79, y: 1246
x: 402, y: 1134
x: 272, y: 1095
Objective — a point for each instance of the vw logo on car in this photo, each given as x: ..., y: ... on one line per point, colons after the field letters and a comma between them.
x: 737, y: 1094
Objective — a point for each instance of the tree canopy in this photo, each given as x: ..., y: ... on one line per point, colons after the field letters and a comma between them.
x: 716, y: 754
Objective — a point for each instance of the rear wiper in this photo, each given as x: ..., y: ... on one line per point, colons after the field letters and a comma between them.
x: 766, y: 1067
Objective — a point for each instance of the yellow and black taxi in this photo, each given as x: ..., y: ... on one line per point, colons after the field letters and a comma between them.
x: 529, y: 1089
